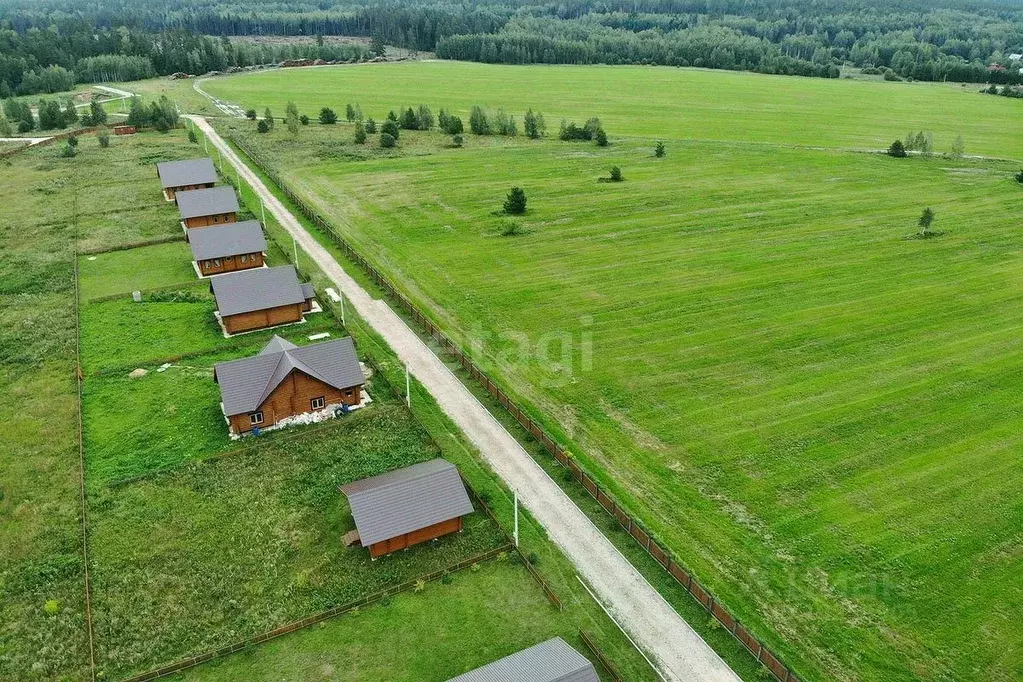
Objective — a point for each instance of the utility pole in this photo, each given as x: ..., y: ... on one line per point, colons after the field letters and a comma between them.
x: 516, y: 493
x: 408, y: 388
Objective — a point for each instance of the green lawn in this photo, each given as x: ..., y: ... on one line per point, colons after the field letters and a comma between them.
x: 814, y: 410
x: 654, y: 102
x: 122, y: 272
x: 426, y: 637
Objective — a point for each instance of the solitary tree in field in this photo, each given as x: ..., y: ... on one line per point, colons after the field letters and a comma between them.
x: 291, y: 117
x: 601, y: 137
x: 268, y: 116
x: 958, y: 148
x: 250, y: 114
x: 897, y: 149
x: 515, y: 204
x: 659, y: 150
x: 925, y: 220
x: 616, y: 174
x: 328, y: 116
x: 303, y: 119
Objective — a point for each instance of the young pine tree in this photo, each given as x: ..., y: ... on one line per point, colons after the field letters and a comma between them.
x: 515, y: 203
x: 659, y: 150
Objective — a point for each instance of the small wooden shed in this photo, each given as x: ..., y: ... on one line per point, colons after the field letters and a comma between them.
x: 228, y: 248
x: 550, y: 661
x: 181, y: 176
x: 205, y: 207
x: 260, y: 298
x: 408, y: 506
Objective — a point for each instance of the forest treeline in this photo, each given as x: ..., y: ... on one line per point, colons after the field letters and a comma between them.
x: 45, y: 43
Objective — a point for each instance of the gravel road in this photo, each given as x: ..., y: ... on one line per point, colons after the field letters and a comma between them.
x: 677, y: 651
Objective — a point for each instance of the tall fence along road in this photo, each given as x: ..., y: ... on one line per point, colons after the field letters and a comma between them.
x: 677, y: 650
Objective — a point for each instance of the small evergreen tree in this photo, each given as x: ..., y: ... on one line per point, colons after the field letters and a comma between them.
x: 303, y: 119
x: 453, y: 126
x: 659, y: 150
x: 360, y: 133
x: 387, y: 141
x: 391, y: 116
x: 424, y: 118
x: 376, y: 46
x: 442, y: 119
x: 616, y: 174
x: 407, y: 120
x: 371, y: 126
x: 897, y: 149
x: 534, y: 125
x: 97, y: 114
x: 103, y: 137
x: 137, y: 114
x: 250, y: 114
x: 924, y: 222
x: 389, y: 128
x: 192, y: 137
x: 262, y: 126
x: 268, y: 116
x: 479, y: 124
x: 601, y: 137
x: 349, y: 113
x: 328, y: 116
x: 515, y: 203
x: 70, y: 114
x: 69, y: 151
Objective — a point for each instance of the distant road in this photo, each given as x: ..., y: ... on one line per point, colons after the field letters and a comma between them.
x: 679, y: 653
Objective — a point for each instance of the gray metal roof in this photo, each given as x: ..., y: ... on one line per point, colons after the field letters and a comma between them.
x: 550, y: 661
x: 407, y: 500
x: 246, y: 383
x: 210, y: 201
x: 190, y: 172
x: 256, y: 289
x: 232, y: 239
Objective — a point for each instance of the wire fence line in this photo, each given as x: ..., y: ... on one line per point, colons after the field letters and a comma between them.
x: 625, y: 518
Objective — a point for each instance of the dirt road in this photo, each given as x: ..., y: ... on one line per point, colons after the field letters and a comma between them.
x: 678, y: 652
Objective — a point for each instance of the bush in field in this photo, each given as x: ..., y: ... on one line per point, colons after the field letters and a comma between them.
x: 371, y: 126
x: 291, y: 117
x: 479, y: 124
x: 328, y: 116
x: 659, y: 150
x: 69, y: 151
x: 387, y: 141
x: 303, y: 119
x: 262, y: 126
x: 360, y: 133
x: 390, y: 128
x: 70, y: 114
x: 424, y: 118
x: 924, y: 222
x: 51, y: 607
x: 958, y: 147
x: 601, y: 137
x: 571, y: 132
x: 515, y: 203
x: 616, y: 174
x: 268, y: 116
x: 407, y: 120
x: 1019, y: 176
x: 192, y: 137
x: 897, y: 149
x: 250, y: 114
x: 103, y: 137
x: 457, y: 142
x: 453, y: 126
x: 534, y: 125
x: 504, y: 124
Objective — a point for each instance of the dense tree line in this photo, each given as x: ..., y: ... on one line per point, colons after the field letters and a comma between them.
x: 944, y: 40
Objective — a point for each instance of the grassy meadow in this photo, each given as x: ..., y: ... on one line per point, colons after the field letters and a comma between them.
x: 815, y: 409
x: 654, y: 102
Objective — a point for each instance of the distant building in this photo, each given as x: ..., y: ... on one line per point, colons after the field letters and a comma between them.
x: 1015, y: 57
x: 205, y: 207
x: 408, y: 506
x: 260, y: 298
x: 181, y: 176
x: 286, y: 380
x: 550, y: 661
x: 227, y: 248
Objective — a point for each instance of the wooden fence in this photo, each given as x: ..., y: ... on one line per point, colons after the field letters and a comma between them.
x: 623, y: 516
x: 609, y: 668
x: 312, y: 620
x: 47, y: 141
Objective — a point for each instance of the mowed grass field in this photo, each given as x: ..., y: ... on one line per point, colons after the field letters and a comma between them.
x: 817, y: 412
x: 658, y: 102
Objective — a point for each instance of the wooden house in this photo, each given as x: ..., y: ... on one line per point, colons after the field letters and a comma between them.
x: 227, y: 248
x: 286, y: 380
x: 181, y: 176
x: 205, y: 207
x: 408, y: 506
x: 260, y: 298
x: 550, y: 661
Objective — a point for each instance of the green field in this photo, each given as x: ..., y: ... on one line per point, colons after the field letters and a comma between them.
x: 658, y: 102
x: 816, y: 411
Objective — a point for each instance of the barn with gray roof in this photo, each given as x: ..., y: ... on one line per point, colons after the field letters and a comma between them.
x: 285, y: 380
x: 182, y: 176
x: 550, y: 661
x: 227, y: 248
x: 205, y: 207
x: 408, y: 506
x: 260, y: 298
